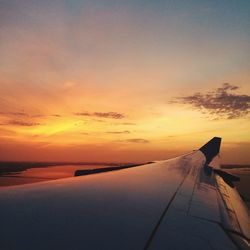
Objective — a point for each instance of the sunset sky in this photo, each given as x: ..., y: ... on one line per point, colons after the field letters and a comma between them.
x: 123, y: 81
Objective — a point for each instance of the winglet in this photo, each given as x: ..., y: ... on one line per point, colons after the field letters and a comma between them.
x: 211, y: 149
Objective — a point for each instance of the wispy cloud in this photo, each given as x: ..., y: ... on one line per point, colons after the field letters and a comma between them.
x: 111, y: 115
x: 84, y: 133
x: 220, y: 103
x: 23, y: 114
x: 137, y: 140
x: 128, y: 123
x: 22, y: 123
x: 14, y: 113
x: 118, y: 132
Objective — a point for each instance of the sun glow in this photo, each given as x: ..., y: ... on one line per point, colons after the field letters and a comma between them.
x: 129, y: 82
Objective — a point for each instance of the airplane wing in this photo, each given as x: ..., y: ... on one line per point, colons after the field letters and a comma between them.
x: 181, y: 203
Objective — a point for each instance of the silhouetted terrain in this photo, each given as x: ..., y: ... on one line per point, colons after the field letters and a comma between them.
x: 18, y: 173
x: 11, y: 167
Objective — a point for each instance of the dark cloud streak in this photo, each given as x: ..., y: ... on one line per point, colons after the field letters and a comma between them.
x: 138, y: 140
x: 14, y: 113
x: 112, y: 115
x: 22, y: 123
x: 118, y: 132
x: 23, y: 114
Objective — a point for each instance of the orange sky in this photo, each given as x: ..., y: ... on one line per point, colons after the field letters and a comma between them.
x: 87, y: 81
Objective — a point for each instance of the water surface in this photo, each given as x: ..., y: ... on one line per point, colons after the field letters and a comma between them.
x: 45, y: 173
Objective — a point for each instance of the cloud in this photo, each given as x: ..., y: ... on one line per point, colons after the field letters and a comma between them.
x: 118, y: 132
x: 128, y: 123
x: 14, y: 113
x: 23, y: 114
x: 112, y: 115
x: 22, y: 123
x: 137, y: 140
x: 220, y: 103
x: 84, y: 133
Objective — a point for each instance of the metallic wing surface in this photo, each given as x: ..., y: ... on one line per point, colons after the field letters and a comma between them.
x: 183, y: 203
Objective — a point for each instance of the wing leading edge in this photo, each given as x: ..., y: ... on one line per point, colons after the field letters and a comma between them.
x: 180, y: 203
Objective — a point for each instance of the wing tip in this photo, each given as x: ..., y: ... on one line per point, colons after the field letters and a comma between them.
x: 211, y: 148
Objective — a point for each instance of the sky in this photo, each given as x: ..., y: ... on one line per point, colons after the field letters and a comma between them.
x: 123, y: 81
